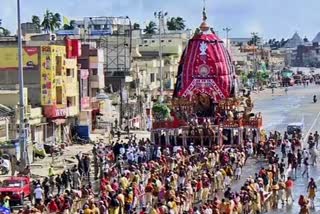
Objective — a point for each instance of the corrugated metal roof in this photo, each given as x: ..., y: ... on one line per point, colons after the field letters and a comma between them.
x: 6, y: 111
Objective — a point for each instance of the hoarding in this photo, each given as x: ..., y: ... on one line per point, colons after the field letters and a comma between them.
x: 54, y: 111
x: 47, y: 76
x: 9, y: 58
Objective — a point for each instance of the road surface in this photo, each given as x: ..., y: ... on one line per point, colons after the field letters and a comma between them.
x: 278, y: 110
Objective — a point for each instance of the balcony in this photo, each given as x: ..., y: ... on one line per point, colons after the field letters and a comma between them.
x: 34, y: 115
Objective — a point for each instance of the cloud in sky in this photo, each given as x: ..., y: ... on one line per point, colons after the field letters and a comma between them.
x: 271, y: 18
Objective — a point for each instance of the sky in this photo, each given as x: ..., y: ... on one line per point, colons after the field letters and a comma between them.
x: 270, y: 18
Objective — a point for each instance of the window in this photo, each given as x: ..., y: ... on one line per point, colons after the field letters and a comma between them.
x: 94, y: 71
x: 162, y: 40
x: 70, y: 72
x: 145, y: 41
x: 97, y: 27
x: 153, y: 41
x: 59, y: 94
x: 59, y: 65
x: 152, y: 77
x: 71, y: 101
x: 169, y: 40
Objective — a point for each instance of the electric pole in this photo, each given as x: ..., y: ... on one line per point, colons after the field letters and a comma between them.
x: 227, y: 30
x: 22, y: 129
x: 160, y: 16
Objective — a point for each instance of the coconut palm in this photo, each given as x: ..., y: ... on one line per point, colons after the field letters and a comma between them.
x: 56, y: 21
x: 46, y: 23
x: 150, y: 28
x: 51, y: 21
x: 36, y: 21
x: 176, y: 23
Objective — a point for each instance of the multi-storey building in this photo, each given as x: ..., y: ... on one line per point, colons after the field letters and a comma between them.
x: 50, y: 77
x: 59, y: 90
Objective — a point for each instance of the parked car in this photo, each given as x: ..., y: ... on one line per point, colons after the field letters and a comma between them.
x: 17, y: 188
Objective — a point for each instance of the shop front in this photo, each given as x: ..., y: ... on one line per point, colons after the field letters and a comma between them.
x: 56, y: 119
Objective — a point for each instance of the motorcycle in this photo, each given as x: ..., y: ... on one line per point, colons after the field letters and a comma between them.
x: 53, y: 149
x: 81, y: 141
x: 39, y: 151
x: 4, y: 166
x: 314, y: 99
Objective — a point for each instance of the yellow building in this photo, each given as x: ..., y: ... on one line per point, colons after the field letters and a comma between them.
x: 59, y: 89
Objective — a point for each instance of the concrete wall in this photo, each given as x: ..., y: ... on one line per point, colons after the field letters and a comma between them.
x: 9, y: 80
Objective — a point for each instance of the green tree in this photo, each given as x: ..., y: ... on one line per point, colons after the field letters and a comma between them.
x: 36, y: 21
x: 56, y: 21
x: 4, y: 32
x: 254, y: 40
x: 150, y: 28
x: 51, y: 21
x: 70, y: 26
x: 136, y: 26
x: 176, y: 23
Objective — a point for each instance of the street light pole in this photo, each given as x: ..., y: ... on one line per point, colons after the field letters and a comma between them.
x: 160, y: 15
x: 22, y: 128
x: 255, y: 40
x: 227, y: 30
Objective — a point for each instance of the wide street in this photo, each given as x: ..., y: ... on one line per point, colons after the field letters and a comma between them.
x: 278, y: 110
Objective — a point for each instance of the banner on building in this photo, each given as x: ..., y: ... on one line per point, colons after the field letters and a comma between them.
x: 9, y: 58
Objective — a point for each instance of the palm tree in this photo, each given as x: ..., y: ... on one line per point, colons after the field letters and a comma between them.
x: 4, y: 32
x: 56, y: 21
x: 150, y: 28
x: 36, y: 21
x: 51, y: 21
x: 176, y: 23
x: 46, y: 23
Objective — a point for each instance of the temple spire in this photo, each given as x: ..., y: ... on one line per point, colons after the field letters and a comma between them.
x: 204, y: 27
x: 204, y: 12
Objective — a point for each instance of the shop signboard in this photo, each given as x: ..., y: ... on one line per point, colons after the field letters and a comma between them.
x: 9, y: 58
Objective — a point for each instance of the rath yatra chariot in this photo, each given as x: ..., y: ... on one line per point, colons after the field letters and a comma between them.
x: 206, y: 108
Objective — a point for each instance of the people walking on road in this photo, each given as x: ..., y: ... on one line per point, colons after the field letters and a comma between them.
x: 38, y: 194
x: 289, y: 187
x: 312, y: 189
x: 316, y: 138
x: 304, y: 205
x: 306, y: 167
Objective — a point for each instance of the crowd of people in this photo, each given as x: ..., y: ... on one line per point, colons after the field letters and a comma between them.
x: 141, y: 177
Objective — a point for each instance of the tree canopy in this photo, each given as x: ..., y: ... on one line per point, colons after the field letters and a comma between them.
x: 4, y: 32
x: 51, y: 21
x: 150, y: 28
x: 176, y: 23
